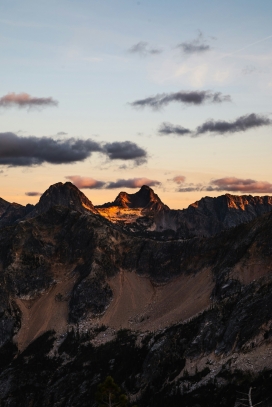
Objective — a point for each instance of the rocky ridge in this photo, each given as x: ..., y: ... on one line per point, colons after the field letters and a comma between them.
x: 73, y: 271
x: 209, y: 216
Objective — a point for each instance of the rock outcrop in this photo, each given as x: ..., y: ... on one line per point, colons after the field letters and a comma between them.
x: 67, y: 195
x: 212, y: 215
x: 145, y: 199
x: 3, y: 206
x: 14, y: 212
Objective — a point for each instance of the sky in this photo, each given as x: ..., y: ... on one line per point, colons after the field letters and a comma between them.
x: 114, y: 94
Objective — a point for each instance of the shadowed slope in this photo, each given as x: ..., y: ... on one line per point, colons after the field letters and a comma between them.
x: 67, y: 195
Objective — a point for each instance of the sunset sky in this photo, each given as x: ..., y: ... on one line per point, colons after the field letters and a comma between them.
x: 113, y: 94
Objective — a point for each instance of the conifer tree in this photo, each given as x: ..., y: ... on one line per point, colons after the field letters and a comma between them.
x: 109, y: 394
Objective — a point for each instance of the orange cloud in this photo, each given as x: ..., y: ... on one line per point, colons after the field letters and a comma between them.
x: 179, y: 179
x: 85, y: 182
x: 25, y: 100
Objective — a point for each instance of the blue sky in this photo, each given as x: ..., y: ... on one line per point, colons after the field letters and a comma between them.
x: 79, y: 54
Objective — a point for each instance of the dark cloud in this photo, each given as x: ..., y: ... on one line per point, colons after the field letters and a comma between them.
x: 85, y: 182
x: 243, y: 123
x: 188, y: 98
x: 196, y: 46
x: 166, y: 129
x: 125, y: 150
x: 132, y: 183
x: 29, y: 151
x: 144, y: 49
x: 233, y: 184
x: 33, y: 194
x: 25, y: 100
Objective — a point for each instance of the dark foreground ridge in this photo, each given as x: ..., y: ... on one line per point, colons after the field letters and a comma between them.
x: 177, y: 322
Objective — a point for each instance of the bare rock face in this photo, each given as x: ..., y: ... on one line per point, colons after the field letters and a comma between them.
x: 209, y: 216
x: 3, y: 206
x: 13, y: 213
x: 145, y: 198
x: 145, y: 214
x: 67, y: 195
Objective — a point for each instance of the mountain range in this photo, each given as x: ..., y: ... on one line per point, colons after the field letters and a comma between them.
x: 176, y: 305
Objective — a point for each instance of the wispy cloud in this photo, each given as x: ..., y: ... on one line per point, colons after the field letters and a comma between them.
x: 195, y: 46
x: 132, y: 183
x: 167, y: 129
x: 33, y: 193
x: 242, y: 123
x: 24, y: 100
x: 85, y: 182
x: 142, y: 48
x: 184, y: 97
x: 31, y: 151
x: 249, y: 69
x: 179, y: 179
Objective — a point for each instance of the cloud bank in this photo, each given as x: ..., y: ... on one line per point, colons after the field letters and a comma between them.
x: 30, y: 151
x: 231, y: 184
x: 184, y: 97
x: 234, y: 184
x: 85, y: 182
x: 22, y: 100
x: 142, y: 48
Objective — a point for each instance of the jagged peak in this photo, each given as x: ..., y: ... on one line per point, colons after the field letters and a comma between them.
x: 233, y: 200
x: 65, y: 194
x: 145, y: 198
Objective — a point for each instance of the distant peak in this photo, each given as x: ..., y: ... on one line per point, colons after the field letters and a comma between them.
x: 146, y: 187
x: 67, y: 195
x: 145, y: 198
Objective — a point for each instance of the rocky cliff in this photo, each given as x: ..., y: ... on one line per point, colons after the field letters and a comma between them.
x: 212, y: 215
x: 145, y: 198
x: 67, y: 195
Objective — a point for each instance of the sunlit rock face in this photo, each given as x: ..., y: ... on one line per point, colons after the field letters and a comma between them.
x: 145, y: 198
x: 134, y: 211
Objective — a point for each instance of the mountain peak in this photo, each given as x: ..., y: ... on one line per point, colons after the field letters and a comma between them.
x: 145, y: 198
x: 66, y: 194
